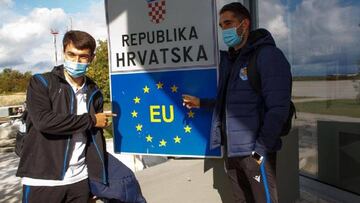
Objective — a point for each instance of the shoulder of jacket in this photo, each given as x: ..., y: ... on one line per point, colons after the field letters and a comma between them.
x: 48, y: 79
x: 268, y: 50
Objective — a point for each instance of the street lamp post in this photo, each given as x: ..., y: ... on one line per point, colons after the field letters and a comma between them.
x: 54, y: 32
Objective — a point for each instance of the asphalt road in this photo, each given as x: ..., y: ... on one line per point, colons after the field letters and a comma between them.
x: 341, y: 89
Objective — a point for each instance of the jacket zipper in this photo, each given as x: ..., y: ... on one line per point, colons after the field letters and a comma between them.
x: 68, y: 140
x: 94, y: 140
x: 226, y: 113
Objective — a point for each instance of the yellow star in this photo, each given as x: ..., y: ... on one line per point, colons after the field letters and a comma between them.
x: 191, y: 114
x: 146, y: 89
x: 187, y: 129
x: 134, y: 114
x: 137, y: 100
x: 162, y: 143
x: 149, y: 138
x: 138, y: 127
x: 159, y: 85
x: 174, y: 88
x: 177, y: 139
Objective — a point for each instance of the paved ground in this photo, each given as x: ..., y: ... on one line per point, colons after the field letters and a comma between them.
x: 339, y: 89
x: 177, y: 176
x: 190, y: 179
x: 10, y: 187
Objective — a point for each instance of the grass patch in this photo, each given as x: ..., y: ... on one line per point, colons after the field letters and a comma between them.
x: 301, y: 97
x: 328, y: 77
x: 12, y: 99
x: 341, y: 107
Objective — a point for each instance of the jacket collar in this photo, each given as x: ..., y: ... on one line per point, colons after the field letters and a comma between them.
x: 258, y: 37
x: 59, y: 72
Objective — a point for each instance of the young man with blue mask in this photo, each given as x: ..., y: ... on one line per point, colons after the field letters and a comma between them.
x: 64, y: 146
x: 246, y: 122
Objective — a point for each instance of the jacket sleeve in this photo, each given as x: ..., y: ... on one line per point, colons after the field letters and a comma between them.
x: 47, y: 121
x: 207, y: 103
x: 275, y: 76
x: 99, y: 103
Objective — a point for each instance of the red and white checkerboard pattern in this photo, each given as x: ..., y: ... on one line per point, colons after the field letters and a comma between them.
x: 157, y: 11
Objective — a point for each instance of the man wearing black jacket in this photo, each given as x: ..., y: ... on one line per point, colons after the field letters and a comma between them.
x: 65, y: 144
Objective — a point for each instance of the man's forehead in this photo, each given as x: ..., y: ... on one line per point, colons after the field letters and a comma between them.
x: 227, y: 16
x: 70, y: 47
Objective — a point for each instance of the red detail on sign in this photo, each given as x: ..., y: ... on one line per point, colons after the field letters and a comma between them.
x: 157, y: 11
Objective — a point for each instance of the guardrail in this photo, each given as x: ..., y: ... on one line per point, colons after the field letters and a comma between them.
x: 8, y: 113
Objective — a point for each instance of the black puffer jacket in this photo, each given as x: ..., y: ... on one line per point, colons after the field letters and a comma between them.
x: 51, y: 124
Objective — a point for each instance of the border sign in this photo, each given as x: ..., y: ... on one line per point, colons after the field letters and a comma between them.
x: 159, y: 50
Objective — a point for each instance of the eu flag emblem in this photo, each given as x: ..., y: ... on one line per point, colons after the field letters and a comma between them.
x: 151, y: 118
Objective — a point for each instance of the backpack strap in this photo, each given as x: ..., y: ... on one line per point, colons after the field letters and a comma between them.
x: 52, y: 86
x: 253, y: 74
x: 42, y: 79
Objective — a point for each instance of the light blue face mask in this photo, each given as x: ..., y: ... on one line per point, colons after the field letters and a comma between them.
x: 75, y: 69
x: 230, y: 37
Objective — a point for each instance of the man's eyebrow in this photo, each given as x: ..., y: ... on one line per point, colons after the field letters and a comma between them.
x: 224, y: 22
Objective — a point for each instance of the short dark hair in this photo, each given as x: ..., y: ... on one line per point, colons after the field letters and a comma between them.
x: 240, y: 11
x: 80, y: 40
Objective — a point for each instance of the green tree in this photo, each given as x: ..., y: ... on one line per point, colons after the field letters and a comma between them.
x: 99, y: 69
x: 12, y: 81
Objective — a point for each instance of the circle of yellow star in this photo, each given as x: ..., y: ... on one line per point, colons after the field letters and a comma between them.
x: 174, y: 88
x: 138, y: 127
x: 162, y: 143
x: 177, y: 139
x: 146, y: 89
x: 134, y: 114
x: 149, y: 138
x: 137, y: 100
x: 159, y: 85
x: 187, y: 129
x: 191, y: 114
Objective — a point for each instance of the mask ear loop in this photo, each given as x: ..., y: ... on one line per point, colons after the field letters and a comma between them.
x: 243, y: 32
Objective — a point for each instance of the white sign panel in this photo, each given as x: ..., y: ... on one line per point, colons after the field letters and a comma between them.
x: 173, y: 35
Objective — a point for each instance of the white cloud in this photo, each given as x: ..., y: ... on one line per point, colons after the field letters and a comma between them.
x: 92, y: 21
x: 6, y: 13
x: 21, y: 38
x: 314, y: 31
x: 6, y: 3
x: 272, y: 15
x: 25, y: 40
x: 324, y: 28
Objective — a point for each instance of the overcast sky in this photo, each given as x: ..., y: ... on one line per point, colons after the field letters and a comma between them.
x: 25, y: 40
x: 317, y: 36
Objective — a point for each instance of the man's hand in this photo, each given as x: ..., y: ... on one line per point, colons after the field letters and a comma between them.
x: 258, y: 161
x: 102, y: 119
x: 190, y: 101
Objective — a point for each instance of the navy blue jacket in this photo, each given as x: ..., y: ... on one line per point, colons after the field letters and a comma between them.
x: 253, y: 121
x: 122, y: 187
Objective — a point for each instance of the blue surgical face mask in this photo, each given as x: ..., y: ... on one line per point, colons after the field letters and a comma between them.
x: 75, y: 69
x: 230, y: 36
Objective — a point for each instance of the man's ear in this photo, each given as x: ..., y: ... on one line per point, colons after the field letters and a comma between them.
x: 246, y: 23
